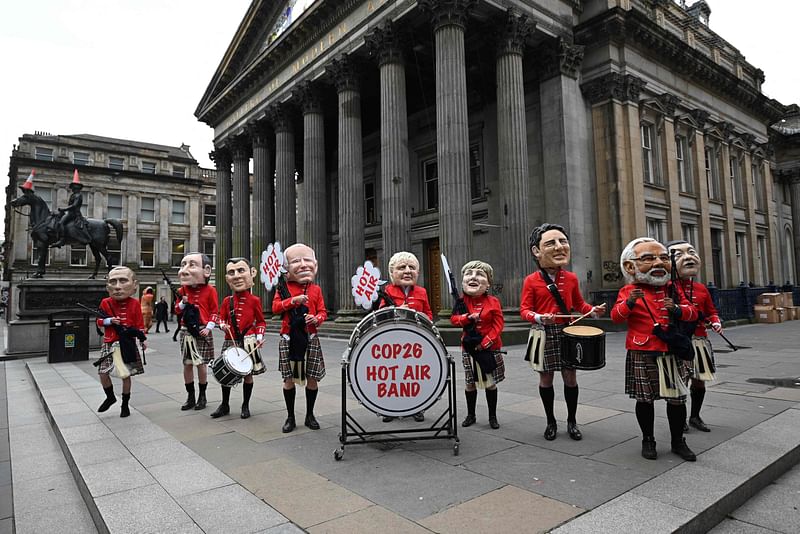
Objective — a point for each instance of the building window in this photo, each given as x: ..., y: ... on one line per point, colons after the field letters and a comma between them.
x: 148, y: 211
x: 712, y: 175
x: 114, y: 249
x: 689, y: 233
x: 43, y: 153
x: 369, y: 202
x: 116, y: 163
x: 87, y: 201
x: 762, y: 256
x: 35, y: 255
x: 656, y: 228
x: 736, y: 181
x: 758, y: 186
x: 178, y: 211
x: 430, y: 174
x: 78, y: 256
x: 179, y: 172
x: 114, y: 210
x: 81, y: 158
x: 716, y: 257
x: 741, y: 255
x: 209, y: 249
x: 650, y: 167
x: 475, y: 174
x: 209, y: 215
x: 147, y: 257
x: 46, y: 194
x: 682, y: 156
x: 149, y: 167
x: 178, y: 251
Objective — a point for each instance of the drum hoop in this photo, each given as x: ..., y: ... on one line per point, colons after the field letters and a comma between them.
x: 233, y: 368
x: 429, y: 335
x: 567, y: 330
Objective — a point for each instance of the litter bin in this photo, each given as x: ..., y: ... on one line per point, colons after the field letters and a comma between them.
x: 69, y: 339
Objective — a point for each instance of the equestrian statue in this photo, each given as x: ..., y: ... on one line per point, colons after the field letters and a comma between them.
x: 66, y: 226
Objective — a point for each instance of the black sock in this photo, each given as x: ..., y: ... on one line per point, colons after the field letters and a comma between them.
x: 311, y: 398
x: 226, y: 395
x: 491, y: 400
x: 645, y: 415
x: 547, y: 395
x: 676, y: 415
x: 247, y: 390
x: 697, y: 400
x: 110, y: 399
x: 571, y: 396
x: 472, y: 400
x: 288, y: 397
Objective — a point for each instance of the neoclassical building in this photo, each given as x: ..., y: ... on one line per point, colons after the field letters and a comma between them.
x: 455, y: 126
x: 165, y: 201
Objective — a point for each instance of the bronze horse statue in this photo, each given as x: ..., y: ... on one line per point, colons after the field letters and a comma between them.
x: 44, y: 225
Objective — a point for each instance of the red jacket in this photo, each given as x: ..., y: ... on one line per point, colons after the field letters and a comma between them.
x: 129, y: 311
x: 491, y: 322
x: 249, y: 315
x: 698, y: 294
x: 417, y: 298
x: 640, y: 324
x: 205, y: 298
x: 315, y: 305
x: 536, y: 298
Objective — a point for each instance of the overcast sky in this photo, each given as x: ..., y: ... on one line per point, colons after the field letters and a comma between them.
x: 136, y: 69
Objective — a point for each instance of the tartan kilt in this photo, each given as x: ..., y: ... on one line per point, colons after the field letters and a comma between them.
x: 107, y: 362
x: 641, y: 376
x: 228, y: 343
x: 499, y: 373
x: 552, y: 346
x: 315, y: 363
x: 205, y: 348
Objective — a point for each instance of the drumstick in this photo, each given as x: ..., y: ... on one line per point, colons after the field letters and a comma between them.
x: 561, y: 316
x: 581, y: 317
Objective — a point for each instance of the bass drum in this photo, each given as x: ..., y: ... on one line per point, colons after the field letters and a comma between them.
x: 396, y: 362
x: 583, y: 347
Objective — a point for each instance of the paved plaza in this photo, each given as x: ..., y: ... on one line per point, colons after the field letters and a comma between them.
x: 164, y: 470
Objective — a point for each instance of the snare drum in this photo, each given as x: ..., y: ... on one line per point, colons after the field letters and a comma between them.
x: 230, y: 368
x: 583, y: 347
x: 397, y: 364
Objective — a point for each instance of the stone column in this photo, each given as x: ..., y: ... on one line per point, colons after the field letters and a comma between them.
x: 164, y: 245
x: 512, y: 156
x: 452, y: 132
x: 697, y: 144
x: 314, y: 197
x: 351, y: 183
x: 131, y: 254
x: 240, y: 237
x: 669, y: 162
x: 222, y: 160
x: 726, y: 185
x: 263, y: 217
x: 285, y: 208
x: 794, y: 188
x: 384, y: 43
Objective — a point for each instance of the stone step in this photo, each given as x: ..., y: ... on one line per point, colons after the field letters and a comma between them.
x: 135, y: 477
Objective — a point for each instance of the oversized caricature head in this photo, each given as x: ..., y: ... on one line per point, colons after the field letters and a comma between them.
x: 301, y: 263
x: 476, y: 277
x: 195, y: 269
x: 645, y: 261
x: 687, y: 260
x: 239, y: 274
x: 121, y: 282
x: 549, y: 244
x: 404, y: 269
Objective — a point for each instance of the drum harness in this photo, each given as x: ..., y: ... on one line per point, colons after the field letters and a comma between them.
x: 127, y: 338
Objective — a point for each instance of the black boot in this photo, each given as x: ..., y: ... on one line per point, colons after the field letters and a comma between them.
x: 649, y: 448
x: 110, y: 399
x: 201, y: 397
x: 189, y: 404
x: 472, y: 400
x: 676, y: 416
x: 311, y: 399
x: 288, y: 397
x: 698, y: 394
x: 224, y: 407
x: 491, y: 400
x: 125, y: 411
x: 247, y: 390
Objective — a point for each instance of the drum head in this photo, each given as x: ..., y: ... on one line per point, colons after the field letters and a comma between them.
x: 398, y: 365
x: 238, y: 361
x: 585, y: 331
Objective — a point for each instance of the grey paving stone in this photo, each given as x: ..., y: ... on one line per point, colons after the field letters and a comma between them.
x: 691, y: 487
x: 7, y: 526
x: 6, y: 501
x: 791, y: 477
x: 629, y: 513
x: 285, y: 528
x: 97, y: 452
x: 5, y: 445
x: 410, y: 484
x: 775, y: 507
x: 139, y: 431
x: 230, y: 509
x: 740, y: 457
x: 39, y: 465
x: 59, y: 518
x: 143, y: 510
x: 84, y: 417
x: 31, y: 494
x: 474, y: 445
x: 780, y: 431
x: 115, y: 476
x: 161, y: 451
x: 732, y: 526
x: 230, y: 450
x: 190, y: 476
x: 81, y: 433
x: 627, y: 455
x: 578, y: 481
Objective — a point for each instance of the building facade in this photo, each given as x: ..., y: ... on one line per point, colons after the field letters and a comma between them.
x: 165, y: 201
x: 455, y: 126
